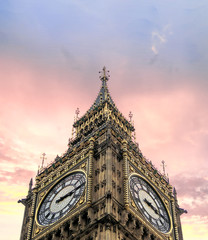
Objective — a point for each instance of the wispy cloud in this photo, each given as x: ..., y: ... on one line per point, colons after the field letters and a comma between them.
x: 159, y: 38
x: 18, y: 176
x: 193, y: 192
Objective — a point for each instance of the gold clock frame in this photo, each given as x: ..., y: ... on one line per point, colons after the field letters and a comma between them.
x: 159, y: 195
x: 48, y: 190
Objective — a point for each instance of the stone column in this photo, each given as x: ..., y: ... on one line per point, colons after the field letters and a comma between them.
x: 125, y: 174
x: 90, y: 171
x: 31, y: 215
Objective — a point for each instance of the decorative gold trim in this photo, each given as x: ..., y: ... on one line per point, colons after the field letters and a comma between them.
x: 174, y: 218
x: 159, y: 195
x: 90, y: 170
x: 56, y: 182
x: 31, y: 216
x: 141, y: 165
x: 56, y: 226
x: 148, y: 225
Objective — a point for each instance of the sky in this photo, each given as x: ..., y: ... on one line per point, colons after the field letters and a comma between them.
x: 51, y: 53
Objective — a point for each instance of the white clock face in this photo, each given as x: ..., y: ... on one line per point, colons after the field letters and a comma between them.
x: 149, y: 203
x: 61, y: 198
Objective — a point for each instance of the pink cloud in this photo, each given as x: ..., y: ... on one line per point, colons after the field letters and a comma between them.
x: 18, y: 176
x: 193, y: 192
x: 172, y: 127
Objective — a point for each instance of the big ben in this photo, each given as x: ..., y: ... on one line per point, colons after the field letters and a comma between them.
x: 102, y: 187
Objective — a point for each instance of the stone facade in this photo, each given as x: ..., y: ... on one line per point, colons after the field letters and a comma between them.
x: 104, y: 149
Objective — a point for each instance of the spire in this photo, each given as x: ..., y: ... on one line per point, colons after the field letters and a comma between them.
x: 30, y: 185
x: 105, y: 103
x: 104, y: 75
x: 103, y: 94
x: 174, y: 193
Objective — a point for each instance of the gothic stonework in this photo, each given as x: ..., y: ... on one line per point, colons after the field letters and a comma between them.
x: 102, y: 187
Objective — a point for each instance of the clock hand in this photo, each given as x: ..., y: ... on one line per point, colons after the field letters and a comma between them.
x: 154, y: 209
x: 163, y: 217
x: 147, y: 202
x: 150, y: 205
x: 68, y: 194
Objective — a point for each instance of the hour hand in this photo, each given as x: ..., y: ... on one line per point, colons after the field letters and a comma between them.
x: 151, y: 206
x: 65, y: 196
x: 147, y: 202
x: 68, y: 194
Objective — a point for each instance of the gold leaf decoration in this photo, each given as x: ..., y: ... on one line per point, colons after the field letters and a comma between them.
x: 42, y: 195
x: 37, y: 230
x: 83, y: 165
x: 131, y: 169
x: 133, y: 204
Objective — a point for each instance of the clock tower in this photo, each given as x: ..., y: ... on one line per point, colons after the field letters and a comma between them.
x: 102, y: 187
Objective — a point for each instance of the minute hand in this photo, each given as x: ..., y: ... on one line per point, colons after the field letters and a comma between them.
x: 69, y: 193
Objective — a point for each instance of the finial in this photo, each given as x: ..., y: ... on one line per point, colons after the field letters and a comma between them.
x: 57, y: 158
x: 76, y: 117
x: 164, y: 165
x: 132, y: 122
x: 43, y: 159
x: 77, y: 113
x: 73, y: 130
x: 104, y: 74
x: 130, y: 116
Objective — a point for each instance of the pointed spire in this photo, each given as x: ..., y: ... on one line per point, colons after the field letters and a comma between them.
x: 174, y: 193
x: 30, y: 185
x: 103, y: 94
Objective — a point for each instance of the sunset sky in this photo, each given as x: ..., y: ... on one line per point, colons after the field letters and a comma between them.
x: 157, y: 54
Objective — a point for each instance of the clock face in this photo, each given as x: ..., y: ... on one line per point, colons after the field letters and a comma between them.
x: 61, y: 198
x: 149, y: 203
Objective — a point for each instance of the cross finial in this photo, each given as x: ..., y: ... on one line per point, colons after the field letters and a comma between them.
x: 130, y: 116
x: 77, y: 113
x: 163, y: 165
x: 43, y: 159
x: 104, y: 74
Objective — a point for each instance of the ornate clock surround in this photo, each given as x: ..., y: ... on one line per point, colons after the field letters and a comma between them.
x: 166, y: 204
x: 79, y: 164
x: 47, y: 192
